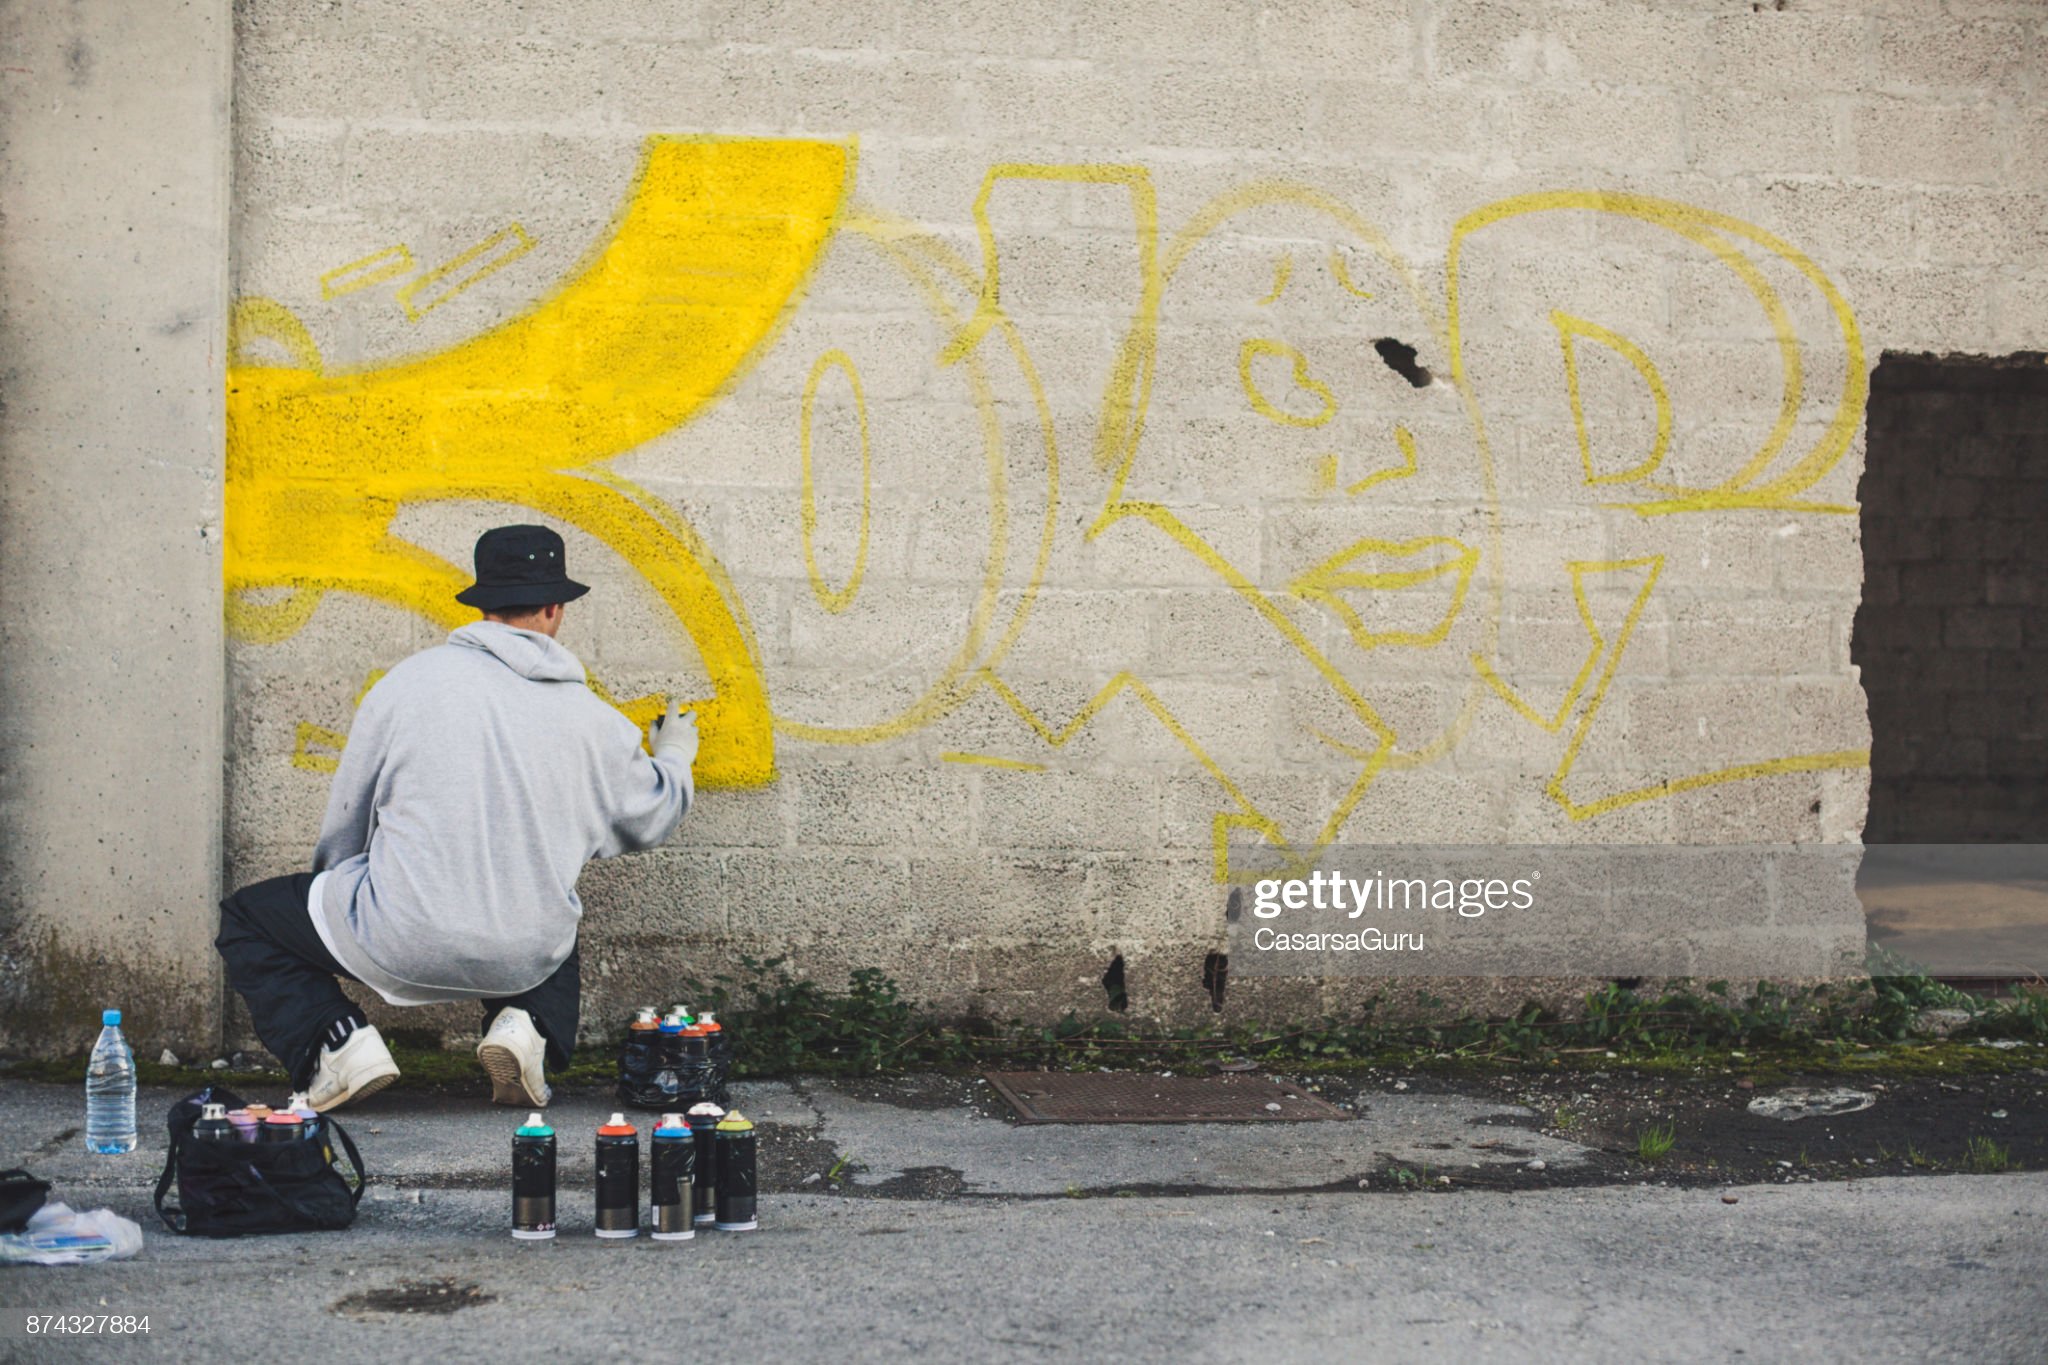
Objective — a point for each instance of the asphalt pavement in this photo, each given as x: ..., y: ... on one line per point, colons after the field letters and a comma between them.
x: 1028, y: 1249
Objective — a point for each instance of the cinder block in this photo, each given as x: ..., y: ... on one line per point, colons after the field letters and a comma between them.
x: 1757, y: 638
x: 1742, y: 132
x: 1922, y: 308
x: 667, y: 893
x: 1181, y: 32
x: 1204, y: 108
x: 1054, y: 810
x: 1943, y: 54
x: 978, y: 28
x: 429, y: 170
x: 1791, y: 51
x: 1404, y: 120
x: 275, y: 76
x: 287, y: 167
x: 801, y: 24
x: 1096, y: 632
x: 1841, y: 224
x: 868, y: 805
x: 1035, y: 111
x: 977, y: 898
x: 1372, y: 38
x: 1908, y: 140
x: 1616, y: 44
x: 798, y: 898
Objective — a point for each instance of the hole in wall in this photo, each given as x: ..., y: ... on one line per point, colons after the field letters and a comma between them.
x: 1400, y: 358
x: 1113, y: 984
x: 1233, y: 910
x: 1215, y: 976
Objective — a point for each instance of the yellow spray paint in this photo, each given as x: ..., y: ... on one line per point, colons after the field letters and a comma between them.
x: 714, y: 242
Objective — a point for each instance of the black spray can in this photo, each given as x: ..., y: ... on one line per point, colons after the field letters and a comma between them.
x: 734, y: 1143
x: 672, y: 1174
x: 703, y: 1123
x: 212, y: 1125
x: 618, y: 1179
x: 533, y: 1180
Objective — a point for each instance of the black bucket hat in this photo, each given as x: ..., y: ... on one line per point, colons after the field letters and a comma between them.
x: 519, y: 566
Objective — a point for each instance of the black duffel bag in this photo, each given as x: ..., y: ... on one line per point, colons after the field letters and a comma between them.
x: 21, y: 1197
x: 238, y: 1189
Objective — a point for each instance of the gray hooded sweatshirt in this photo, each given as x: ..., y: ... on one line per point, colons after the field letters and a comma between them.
x: 479, y: 777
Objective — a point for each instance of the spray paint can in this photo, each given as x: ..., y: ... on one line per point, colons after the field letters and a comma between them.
x: 718, y: 1055
x: 639, y: 1057
x: 212, y: 1125
x: 618, y: 1179
x: 302, y: 1106
x: 672, y: 1162
x: 703, y: 1123
x: 533, y: 1180
x: 282, y: 1128
x: 689, y: 1017
x: 668, y: 1066
x: 244, y: 1123
x: 734, y: 1143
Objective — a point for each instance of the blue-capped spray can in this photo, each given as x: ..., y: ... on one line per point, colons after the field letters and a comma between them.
x: 671, y: 1181
x: 703, y: 1123
x: 533, y: 1180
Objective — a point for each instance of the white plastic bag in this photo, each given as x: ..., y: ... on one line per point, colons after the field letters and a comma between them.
x: 57, y: 1235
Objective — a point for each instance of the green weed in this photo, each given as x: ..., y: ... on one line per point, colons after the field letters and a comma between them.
x: 1985, y: 1157
x: 1654, y: 1143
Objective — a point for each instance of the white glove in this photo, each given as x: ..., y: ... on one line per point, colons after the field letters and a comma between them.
x: 675, y: 736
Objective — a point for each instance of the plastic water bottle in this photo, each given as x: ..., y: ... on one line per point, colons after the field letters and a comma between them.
x: 110, y: 1091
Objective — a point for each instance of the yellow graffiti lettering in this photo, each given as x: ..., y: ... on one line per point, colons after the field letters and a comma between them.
x: 1341, y: 272
x: 1406, y: 441
x: 1568, y: 328
x: 834, y: 600
x: 1281, y: 275
x: 472, y: 267
x: 1303, y: 380
x: 1439, y: 557
x: 373, y: 269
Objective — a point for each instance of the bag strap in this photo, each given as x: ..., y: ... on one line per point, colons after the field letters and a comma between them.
x: 355, y: 1159
x: 174, y: 1219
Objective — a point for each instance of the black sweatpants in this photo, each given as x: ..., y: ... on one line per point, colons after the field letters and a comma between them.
x: 278, y: 965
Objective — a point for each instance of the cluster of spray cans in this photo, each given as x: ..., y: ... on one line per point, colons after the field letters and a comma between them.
x: 673, y: 1061
x: 298, y: 1121
x: 700, y: 1173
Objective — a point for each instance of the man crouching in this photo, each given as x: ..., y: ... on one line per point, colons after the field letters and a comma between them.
x: 480, y: 777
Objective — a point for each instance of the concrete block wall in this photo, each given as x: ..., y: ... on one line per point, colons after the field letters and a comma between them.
x: 1119, y: 537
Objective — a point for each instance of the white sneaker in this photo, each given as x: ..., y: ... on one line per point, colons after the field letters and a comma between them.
x: 514, y: 1056
x: 360, y: 1067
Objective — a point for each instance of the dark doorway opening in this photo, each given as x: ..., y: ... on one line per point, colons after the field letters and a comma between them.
x: 1952, y: 634
x: 1952, y: 643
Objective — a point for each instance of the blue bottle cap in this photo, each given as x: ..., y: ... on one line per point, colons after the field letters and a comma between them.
x: 111, y: 1018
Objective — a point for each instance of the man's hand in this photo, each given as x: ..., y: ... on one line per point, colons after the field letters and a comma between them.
x: 675, y: 736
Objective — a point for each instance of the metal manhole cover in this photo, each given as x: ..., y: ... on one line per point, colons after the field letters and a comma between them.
x: 1135, y: 1097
